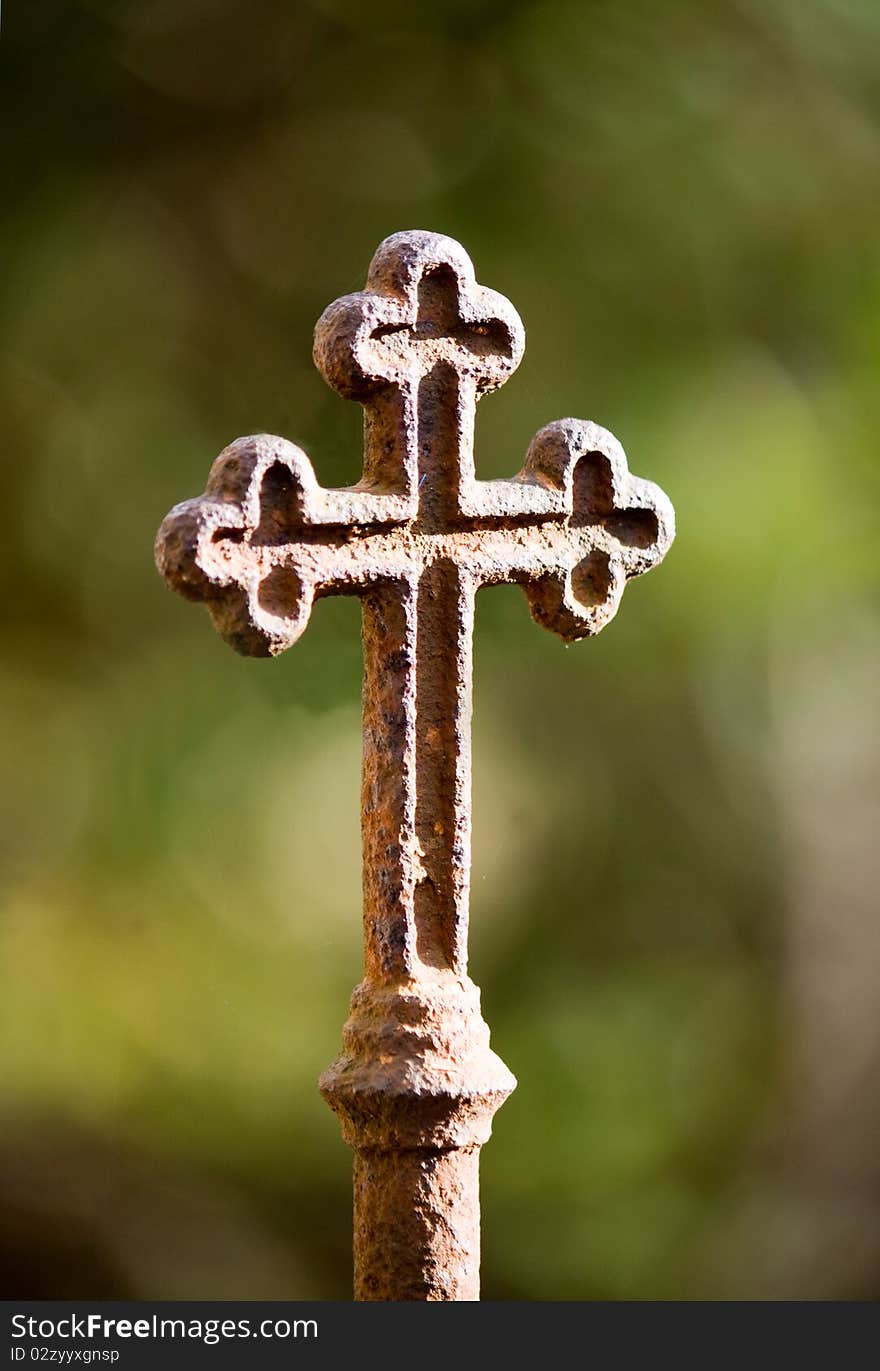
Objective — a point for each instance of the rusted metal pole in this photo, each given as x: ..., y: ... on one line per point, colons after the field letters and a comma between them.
x: 417, y: 1084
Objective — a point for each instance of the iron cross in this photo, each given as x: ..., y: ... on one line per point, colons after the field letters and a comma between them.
x: 417, y: 1084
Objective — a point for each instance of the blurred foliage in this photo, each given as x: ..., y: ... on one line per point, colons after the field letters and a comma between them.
x: 673, y: 911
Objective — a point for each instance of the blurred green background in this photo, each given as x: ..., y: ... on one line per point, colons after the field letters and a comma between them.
x: 674, y: 907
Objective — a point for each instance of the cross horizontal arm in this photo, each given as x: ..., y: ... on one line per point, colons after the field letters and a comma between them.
x: 266, y: 539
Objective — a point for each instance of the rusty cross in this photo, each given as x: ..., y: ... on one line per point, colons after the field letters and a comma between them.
x: 417, y: 1084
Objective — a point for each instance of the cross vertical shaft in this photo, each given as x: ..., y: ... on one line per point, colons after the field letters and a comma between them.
x: 416, y: 1084
x: 417, y: 703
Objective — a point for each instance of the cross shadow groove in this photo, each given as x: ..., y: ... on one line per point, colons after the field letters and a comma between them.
x: 439, y: 317
x: 439, y: 743
x: 593, y: 503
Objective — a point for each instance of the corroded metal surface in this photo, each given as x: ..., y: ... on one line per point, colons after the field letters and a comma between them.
x: 417, y: 1084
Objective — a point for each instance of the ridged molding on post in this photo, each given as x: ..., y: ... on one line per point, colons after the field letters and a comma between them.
x: 417, y: 1083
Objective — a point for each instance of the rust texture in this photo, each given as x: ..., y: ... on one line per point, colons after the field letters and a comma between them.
x: 417, y: 1083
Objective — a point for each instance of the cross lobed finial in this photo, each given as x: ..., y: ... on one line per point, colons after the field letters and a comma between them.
x: 415, y: 539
